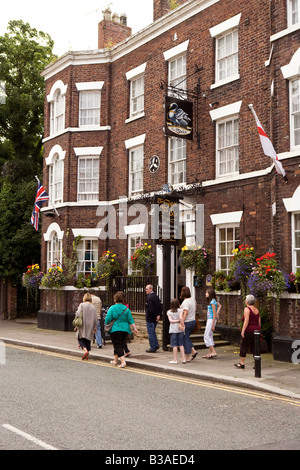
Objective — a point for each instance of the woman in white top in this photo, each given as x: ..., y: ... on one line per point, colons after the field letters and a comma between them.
x: 189, y: 311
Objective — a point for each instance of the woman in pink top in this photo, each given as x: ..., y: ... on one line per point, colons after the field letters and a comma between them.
x: 251, y: 323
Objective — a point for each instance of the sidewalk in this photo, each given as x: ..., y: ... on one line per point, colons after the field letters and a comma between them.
x: 280, y: 378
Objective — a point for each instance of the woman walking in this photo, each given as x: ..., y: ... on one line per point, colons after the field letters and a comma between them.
x: 251, y: 322
x: 188, y: 307
x: 122, y: 317
x: 85, y: 332
x: 213, y: 308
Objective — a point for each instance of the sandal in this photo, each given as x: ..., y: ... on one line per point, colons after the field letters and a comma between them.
x: 113, y: 363
x: 194, y: 356
x: 122, y: 365
x: 240, y: 366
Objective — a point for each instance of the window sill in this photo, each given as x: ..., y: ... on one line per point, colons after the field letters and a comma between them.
x: 133, y: 118
x: 285, y: 32
x: 225, y: 81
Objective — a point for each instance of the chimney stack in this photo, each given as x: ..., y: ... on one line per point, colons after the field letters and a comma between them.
x: 112, y: 29
x: 162, y: 7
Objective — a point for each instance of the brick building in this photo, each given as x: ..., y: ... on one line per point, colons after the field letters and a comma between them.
x: 105, y: 119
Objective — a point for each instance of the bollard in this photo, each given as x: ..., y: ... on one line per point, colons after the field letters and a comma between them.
x: 257, y: 358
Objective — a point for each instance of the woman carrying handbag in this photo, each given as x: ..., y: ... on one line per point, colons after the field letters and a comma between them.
x: 122, y: 318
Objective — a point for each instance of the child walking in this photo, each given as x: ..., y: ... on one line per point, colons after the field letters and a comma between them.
x: 213, y: 308
x: 176, y: 331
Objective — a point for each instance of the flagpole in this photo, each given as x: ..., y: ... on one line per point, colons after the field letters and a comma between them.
x: 36, y: 177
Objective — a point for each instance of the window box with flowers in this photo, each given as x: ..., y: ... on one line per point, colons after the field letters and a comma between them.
x: 31, y: 280
x: 142, y: 260
x: 107, y: 266
x: 194, y: 259
x: 221, y: 282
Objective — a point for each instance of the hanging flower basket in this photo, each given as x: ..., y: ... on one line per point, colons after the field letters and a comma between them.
x: 142, y: 261
x: 54, y: 278
x: 31, y: 280
x: 242, y: 264
x: 107, y: 266
x: 194, y: 259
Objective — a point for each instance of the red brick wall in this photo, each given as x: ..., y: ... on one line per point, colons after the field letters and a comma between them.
x: 253, y: 196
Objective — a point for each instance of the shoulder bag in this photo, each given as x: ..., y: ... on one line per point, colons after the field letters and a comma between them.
x: 77, y: 322
x: 108, y: 326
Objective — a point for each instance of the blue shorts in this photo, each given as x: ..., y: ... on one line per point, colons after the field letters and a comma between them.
x: 176, y: 339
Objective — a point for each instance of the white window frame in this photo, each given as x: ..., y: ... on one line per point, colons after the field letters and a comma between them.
x: 56, y: 179
x: 88, y: 153
x: 176, y: 148
x: 136, y: 78
x: 132, y: 145
x: 57, y: 102
x: 290, y: 21
x: 173, y: 56
x: 219, y: 32
x: 93, y: 111
x: 93, y: 194
x: 228, y: 252
x: 54, y: 250
x: 293, y: 114
x: 136, y: 169
x: 295, y: 249
x: 220, y: 115
x: 137, y: 91
x: 89, y: 108
x: 83, y: 251
x: 133, y: 240
x: 55, y: 163
x: 227, y: 147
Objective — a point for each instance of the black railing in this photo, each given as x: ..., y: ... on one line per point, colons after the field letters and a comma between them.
x: 134, y: 290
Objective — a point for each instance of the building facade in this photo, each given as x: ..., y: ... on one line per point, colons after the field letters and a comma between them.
x: 105, y: 128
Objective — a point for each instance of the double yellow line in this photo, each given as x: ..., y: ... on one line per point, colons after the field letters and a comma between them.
x: 174, y: 378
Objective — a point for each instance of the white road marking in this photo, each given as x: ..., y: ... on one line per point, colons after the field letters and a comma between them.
x: 28, y: 437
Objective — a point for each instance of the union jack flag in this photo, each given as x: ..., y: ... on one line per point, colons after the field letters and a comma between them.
x: 41, y: 197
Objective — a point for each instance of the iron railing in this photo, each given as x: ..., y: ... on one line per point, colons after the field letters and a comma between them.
x: 134, y: 290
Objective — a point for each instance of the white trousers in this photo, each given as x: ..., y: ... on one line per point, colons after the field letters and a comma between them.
x: 209, y: 334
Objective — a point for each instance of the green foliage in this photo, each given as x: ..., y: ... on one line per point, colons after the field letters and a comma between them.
x: 19, y: 242
x: 24, y: 53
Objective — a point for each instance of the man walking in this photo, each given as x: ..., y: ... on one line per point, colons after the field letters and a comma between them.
x: 96, y: 301
x: 153, y: 313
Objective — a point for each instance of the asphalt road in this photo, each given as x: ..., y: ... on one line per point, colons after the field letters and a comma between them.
x: 51, y: 401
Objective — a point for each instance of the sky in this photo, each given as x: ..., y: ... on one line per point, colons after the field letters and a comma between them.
x: 73, y: 25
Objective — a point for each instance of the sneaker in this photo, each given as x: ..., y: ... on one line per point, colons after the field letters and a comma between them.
x: 150, y: 350
x: 173, y: 362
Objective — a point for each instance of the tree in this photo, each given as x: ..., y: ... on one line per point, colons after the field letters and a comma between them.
x: 24, y: 53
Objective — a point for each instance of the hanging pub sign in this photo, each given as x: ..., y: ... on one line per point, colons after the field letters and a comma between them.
x: 166, y: 227
x: 179, y: 118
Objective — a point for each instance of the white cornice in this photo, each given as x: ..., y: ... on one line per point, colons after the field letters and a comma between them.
x: 104, y: 56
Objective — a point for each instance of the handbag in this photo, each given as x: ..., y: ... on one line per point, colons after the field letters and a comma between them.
x: 77, y: 322
x: 197, y: 326
x: 108, y: 326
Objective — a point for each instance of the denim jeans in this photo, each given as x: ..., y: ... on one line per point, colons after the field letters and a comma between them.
x: 189, y: 327
x: 152, y: 335
x: 98, y: 334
